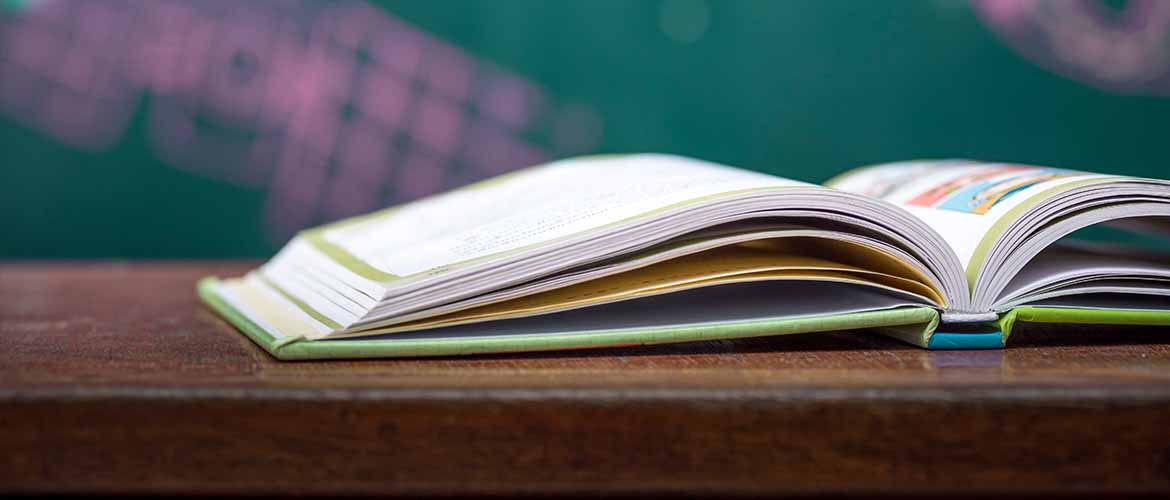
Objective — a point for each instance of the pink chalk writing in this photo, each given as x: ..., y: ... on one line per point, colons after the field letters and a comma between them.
x: 334, y: 109
x: 1116, y: 47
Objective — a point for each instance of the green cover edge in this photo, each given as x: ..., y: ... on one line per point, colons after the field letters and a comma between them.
x: 913, y: 324
x: 1071, y: 315
x: 919, y: 335
x: 206, y: 290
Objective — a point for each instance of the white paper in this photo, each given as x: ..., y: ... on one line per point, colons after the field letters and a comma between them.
x: 537, y: 206
x: 959, y: 199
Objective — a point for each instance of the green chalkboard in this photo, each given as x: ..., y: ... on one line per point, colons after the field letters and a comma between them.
x: 801, y: 88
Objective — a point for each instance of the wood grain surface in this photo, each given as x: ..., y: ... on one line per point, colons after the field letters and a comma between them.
x: 115, y: 379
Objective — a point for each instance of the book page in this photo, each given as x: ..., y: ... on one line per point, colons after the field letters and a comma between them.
x: 742, y: 303
x: 535, y: 206
x: 961, y: 200
x: 1076, y: 261
x: 736, y: 263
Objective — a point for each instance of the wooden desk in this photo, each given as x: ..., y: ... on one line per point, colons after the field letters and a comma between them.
x: 113, y: 378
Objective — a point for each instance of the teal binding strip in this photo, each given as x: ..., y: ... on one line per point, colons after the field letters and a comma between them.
x: 945, y: 340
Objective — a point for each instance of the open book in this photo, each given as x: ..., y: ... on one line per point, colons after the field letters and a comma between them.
x: 647, y: 248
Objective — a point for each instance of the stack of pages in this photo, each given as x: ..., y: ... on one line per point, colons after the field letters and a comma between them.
x: 648, y: 248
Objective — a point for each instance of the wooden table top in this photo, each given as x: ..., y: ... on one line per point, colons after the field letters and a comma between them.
x: 115, y: 379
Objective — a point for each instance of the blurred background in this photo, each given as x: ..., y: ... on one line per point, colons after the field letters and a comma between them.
x: 167, y: 128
